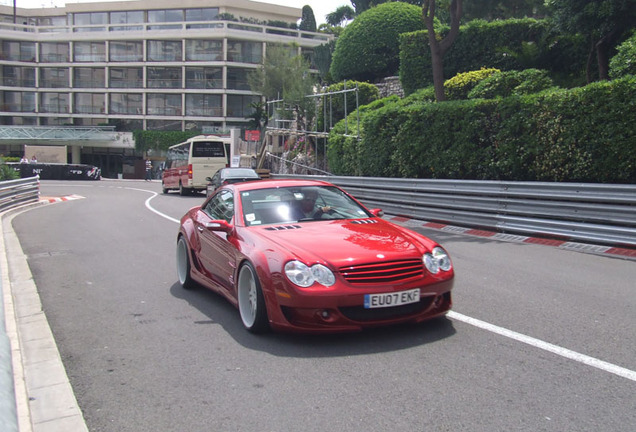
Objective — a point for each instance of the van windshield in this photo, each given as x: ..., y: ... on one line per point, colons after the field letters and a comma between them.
x: 208, y: 149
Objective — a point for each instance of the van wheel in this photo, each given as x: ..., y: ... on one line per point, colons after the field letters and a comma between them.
x: 182, y: 191
x: 164, y: 189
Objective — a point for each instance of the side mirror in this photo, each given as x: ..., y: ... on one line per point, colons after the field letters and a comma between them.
x: 208, y: 179
x: 219, y: 225
x: 377, y: 212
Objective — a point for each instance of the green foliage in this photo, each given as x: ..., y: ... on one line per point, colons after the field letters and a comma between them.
x: 7, y: 172
x: 624, y: 62
x: 508, y: 83
x: 583, y: 134
x: 322, y: 58
x: 308, y: 20
x: 368, y: 48
x: 160, y: 140
x: 461, y: 84
x: 513, y: 44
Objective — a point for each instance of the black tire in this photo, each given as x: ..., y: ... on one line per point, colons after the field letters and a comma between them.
x: 183, y: 264
x: 182, y: 191
x: 251, y: 302
x: 164, y: 189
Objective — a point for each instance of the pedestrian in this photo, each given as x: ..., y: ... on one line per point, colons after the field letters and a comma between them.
x: 34, y: 159
x: 24, y: 159
x: 148, y: 170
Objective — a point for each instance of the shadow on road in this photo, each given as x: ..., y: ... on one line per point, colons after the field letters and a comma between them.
x: 385, y: 339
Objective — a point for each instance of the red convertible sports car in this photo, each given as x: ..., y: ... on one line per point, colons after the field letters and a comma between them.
x: 303, y: 255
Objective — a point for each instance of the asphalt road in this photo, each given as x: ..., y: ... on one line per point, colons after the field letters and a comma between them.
x: 553, y: 350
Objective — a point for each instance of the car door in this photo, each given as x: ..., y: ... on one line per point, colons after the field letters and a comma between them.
x: 217, y: 254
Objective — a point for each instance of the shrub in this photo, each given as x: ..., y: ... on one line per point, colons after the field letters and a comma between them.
x: 507, y: 83
x: 7, y: 172
x: 624, y: 62
x: 368, y: 48
x: 512, y: 44
x: 583, y: 134
x: 461, y: 84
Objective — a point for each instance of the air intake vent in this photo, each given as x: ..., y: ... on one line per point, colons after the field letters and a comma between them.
x: 283, y: 227
x: 364, y: 221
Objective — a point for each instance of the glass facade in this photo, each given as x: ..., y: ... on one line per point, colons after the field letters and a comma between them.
x: 99, y: 65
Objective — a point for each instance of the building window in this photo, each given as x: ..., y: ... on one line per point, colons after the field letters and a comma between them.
x: 204, y: 50
x: 241, y: 105
x: 18, y: 76
x: 204, y: 105
x: 164, y: 104
x: 127, y: 17
x: 165, y: 16
x: 89, y: 78
x: 88, y: 22
x: 244, y: 52
x: 17, y: 51
x: 237, y: 78
x: 206, y: 15
x: 204, y: 77
x: 89, y: 51
x: 126, y: 77
x: 54, y: 77
x: 165, y: 51
x: 164, y: 77
x: 123, y: 51
x: 18, y: 101
x: 89, y: 103
x: 54, y: 103
x: 54, y: 52
x: 126, y: 103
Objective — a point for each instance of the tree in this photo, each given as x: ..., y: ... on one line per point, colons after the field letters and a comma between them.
x: 368, y: 48
x: 340, y: 15
x: 308, y: 20
x: 285, y: 75
x: 439, y: 48
x: 603, y: 22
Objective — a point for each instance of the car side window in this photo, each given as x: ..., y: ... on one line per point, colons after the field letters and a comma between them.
x: 221, y: 206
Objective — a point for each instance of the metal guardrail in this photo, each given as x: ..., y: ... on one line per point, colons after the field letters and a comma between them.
x: 587, y: 212
x: 14, y: 193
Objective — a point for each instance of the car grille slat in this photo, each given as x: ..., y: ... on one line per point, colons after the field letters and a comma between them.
x: 392, y: 271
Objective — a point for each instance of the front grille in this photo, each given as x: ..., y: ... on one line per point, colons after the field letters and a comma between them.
x: 383, y: 272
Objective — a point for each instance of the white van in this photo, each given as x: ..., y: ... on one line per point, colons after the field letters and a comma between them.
x: 189, y: 163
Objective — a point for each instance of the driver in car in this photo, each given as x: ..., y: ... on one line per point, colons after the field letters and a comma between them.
x: 308, y: 208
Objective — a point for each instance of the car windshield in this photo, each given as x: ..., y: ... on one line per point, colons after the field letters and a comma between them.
x: 298, y: 204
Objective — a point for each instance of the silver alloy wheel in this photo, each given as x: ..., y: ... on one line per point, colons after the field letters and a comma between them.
x: 247, y: 296
x: 183, y: 263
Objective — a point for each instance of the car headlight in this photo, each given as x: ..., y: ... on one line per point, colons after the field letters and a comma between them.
x: 437, y: 260
x: 304, y: 276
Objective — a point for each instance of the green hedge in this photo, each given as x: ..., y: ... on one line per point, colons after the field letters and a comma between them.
x: 160, y: 140
x: 584, y: 134
x: 505, y: 45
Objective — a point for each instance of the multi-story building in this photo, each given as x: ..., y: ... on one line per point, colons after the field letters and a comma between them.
x: 151, y: 65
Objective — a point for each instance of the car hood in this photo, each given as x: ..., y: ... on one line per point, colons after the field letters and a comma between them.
x: 346, y: 242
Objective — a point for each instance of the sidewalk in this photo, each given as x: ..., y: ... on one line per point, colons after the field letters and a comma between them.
x: 44, y: 399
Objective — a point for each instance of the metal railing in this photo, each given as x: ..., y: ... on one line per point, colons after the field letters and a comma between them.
x: 14, y: 193
x: 587, y: 212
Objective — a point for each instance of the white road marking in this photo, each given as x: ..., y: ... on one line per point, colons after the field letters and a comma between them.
x: 537, y: 343
x: 555, y: 349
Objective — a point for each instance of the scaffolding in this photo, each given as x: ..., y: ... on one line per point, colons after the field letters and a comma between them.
x: 289, y: 148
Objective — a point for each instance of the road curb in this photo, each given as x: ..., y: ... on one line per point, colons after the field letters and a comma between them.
x: 44, y: 397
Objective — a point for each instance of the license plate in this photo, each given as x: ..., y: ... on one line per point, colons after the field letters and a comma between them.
x: 399, y: 298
